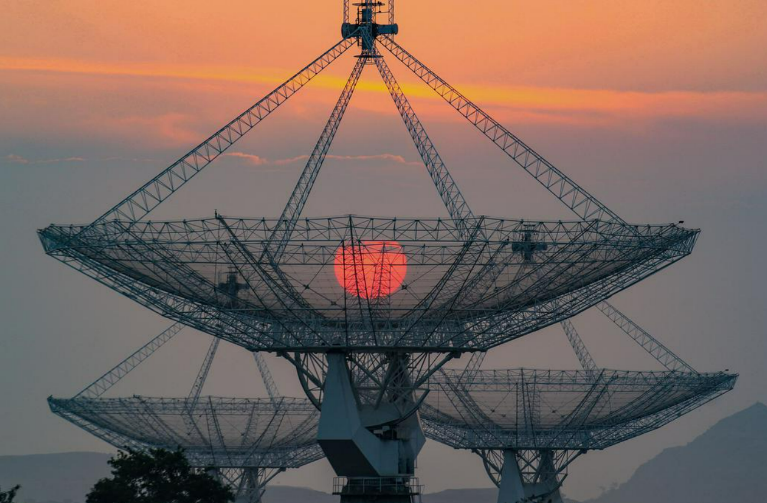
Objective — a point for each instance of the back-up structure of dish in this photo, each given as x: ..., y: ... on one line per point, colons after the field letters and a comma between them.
x: 245, y: 442
x: 389, y: 299
x: 528, y: 425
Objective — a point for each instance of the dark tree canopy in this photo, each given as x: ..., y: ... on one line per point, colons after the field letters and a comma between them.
x: 157, y: 476
x: 7, y: 496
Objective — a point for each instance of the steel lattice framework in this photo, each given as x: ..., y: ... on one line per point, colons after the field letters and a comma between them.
x: 526, y: 409
x: 368, y: 309
x: 204, y: 273
x: 472, y: 282
x: 244, y: 441
x: 224, y: 433
x: 528, y: 425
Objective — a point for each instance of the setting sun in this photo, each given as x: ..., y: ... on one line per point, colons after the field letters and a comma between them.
x: 370, y: 269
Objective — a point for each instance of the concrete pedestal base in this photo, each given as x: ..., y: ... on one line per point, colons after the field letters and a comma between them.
x: 378, y: 489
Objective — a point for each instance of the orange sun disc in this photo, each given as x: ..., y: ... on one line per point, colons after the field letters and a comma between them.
x: 370, y: 269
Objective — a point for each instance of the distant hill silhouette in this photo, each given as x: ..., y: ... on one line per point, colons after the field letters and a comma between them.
x: 726, y: 464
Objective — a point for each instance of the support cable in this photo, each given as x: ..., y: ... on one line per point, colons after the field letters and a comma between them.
x: 572, y: 195
x: 103, y: 383
x: 650, y: 344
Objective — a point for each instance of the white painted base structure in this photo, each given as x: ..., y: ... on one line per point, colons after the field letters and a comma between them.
x: 371, y: 447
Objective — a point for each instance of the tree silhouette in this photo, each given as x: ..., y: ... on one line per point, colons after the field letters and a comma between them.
x: 157, y: 476
x: 7, y: 496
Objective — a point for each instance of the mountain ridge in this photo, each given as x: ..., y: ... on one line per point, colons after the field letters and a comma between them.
x: 726, y: 463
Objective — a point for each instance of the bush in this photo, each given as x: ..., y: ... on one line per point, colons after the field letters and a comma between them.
x: 157, y: 476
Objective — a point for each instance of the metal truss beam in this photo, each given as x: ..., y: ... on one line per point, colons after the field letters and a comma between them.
x: 103, y: 383
x: 138, y: 204
x: 650, y: 344
x: 287, y: 222
x: 448, y: 190
x: 202, y: 374
x: 266, y: 376
x: 572, y: 195
x: 581, y: 351
x: 472, y: 367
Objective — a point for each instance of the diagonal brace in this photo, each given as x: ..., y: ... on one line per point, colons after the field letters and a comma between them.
x: 572, y: 195
x: 448, y: 190
x: 287, y: 222
x: 146, y: 198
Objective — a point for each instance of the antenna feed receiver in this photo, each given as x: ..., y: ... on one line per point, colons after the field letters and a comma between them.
x: 349, y: 30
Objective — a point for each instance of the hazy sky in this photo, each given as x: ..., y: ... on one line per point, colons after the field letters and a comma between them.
x: 658, y: 108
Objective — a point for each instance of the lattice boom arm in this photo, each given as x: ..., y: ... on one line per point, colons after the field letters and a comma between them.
x: 202, y: 375
x: 448, y: 190
x: 555, y: 181
x: 266, y: 376
x: 581, y: 351
x: 103, y: 383
x: 158, y: 189
x: 298, y: 198
x: 653, y: 346
x: 472, y: 367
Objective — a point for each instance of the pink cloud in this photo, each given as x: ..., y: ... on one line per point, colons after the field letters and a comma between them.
x: 17, y: 159
x: 261, y: 161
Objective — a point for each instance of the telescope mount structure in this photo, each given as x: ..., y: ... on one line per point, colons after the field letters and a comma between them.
x: 367, y: 309
x: 528, y: 425
x: 244, y: 442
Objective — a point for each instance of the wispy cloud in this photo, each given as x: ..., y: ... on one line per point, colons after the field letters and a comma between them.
x: 156, y: 113
x: 17, y: 159
x: 257, y: 160
x: 525, y: 104
x: 23, y: 161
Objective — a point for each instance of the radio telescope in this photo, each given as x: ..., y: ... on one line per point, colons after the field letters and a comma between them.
x: 244, y: 442
x: 528, y: 425
x: 367, y: 308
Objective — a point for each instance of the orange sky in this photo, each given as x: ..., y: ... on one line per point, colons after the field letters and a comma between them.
x: 651, y: 45
x: 622, y: 44
x: 597, y: 63
x: 658, y: 107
